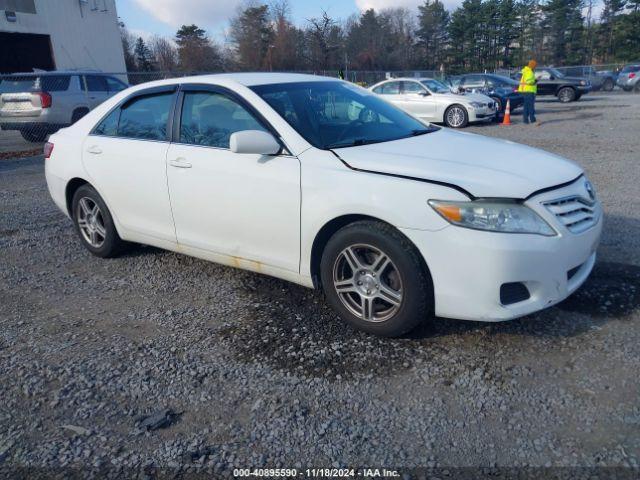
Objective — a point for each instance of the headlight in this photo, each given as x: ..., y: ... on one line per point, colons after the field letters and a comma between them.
x: 505, y: 217
x: 582, y: 82
x: 476, y: 104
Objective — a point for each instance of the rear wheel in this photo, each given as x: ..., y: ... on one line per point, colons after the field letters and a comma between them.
x: 34, y: 136
x: 566, y: 94
x: 608, y: 85
x: 78, y: 114
x: 456, y: 116
x: 94, y: 223
x: 374, y: 278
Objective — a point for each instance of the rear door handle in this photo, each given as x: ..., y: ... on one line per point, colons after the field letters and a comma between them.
x: 95, y: 150
x: 179, y: 163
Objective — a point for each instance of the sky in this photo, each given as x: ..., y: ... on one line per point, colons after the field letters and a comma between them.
x: 163, y: 17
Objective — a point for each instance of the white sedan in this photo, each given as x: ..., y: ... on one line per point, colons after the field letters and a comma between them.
x: 432, y: 101
x: 322, y: 183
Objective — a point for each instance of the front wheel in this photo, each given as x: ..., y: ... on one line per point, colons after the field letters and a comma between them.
x: 374, y: 278
x: 94, y: 224
x: 566, y: 94
x: 456, y: 116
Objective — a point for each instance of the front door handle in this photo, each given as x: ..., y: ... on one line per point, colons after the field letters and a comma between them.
x: 95, y: 150
x: 179, y: 163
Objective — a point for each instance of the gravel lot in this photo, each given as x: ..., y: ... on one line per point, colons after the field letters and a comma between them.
x: 257, y: 372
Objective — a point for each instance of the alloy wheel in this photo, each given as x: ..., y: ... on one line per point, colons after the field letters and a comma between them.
x: 91, y: 222
x: 455, y: 116
x: 367, y: 282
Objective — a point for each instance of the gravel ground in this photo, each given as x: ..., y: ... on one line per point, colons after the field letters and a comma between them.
x: 242, y: 370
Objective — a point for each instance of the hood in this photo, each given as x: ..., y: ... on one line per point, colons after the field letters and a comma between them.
x: 483, y: 166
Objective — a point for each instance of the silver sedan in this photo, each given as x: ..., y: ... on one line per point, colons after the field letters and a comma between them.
x: 432, y: 101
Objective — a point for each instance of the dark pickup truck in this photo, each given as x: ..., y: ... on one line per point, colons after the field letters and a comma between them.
x: 553, y: 82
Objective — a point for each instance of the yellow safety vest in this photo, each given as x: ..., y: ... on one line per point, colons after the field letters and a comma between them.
x: 528, y: 81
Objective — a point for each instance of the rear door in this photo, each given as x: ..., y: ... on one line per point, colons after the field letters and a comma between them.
x: 125, y: 156
x: 97, y: 90
x: 390, y: 91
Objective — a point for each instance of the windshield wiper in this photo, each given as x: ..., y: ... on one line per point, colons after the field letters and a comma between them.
x: 352, y: 143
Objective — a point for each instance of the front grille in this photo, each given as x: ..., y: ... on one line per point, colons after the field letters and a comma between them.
x: 575, y: 213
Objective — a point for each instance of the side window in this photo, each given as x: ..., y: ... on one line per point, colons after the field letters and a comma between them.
x: 146, y: 117
x: 473, y: 81
x: 412, y: 87
x: 96, y: 83
x: 114, y: 84
x: 55, y: 83
x: 390, y: 88
x: 210, y: 118
x: 109, y: 125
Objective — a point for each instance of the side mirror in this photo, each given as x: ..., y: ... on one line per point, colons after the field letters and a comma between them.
x: 424, y: 93
x: 254, y: 141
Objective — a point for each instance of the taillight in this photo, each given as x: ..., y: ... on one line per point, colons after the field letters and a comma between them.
x: 45, y: 99
x: 48, y: 149
x: 632, y: 75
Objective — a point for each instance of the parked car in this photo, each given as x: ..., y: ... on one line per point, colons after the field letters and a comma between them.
x: 600, y: 79
x: 499, y: 88
x: 37, y: 104
x: 320, y: 182
x: 553, y: 82
x: 629, y: 78
x: 433, y: 101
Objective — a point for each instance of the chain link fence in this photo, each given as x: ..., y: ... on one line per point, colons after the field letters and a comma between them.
x: 35, y: 105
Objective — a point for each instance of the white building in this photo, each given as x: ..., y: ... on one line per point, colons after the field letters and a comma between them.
x: 60, y: 35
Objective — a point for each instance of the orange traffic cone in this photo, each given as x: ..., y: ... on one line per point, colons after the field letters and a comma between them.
x: 507, y: 114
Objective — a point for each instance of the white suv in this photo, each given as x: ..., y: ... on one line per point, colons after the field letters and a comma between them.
x: 322, y: 183
x: 37, y: 104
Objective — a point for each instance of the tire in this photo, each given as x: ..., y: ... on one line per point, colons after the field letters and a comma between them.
x: 499, y: 111
x: 401, y: 291
x: 566, y: 95
x: 34, y: 136
x: 78, y: 114
x: 608, y: 85
x: 107, y: 242
x: 456, y: 116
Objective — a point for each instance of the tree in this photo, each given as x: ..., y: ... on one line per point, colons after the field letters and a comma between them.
x: 252, y: 35
x: 563, y: 27
x: 325, y: 42
x: 127, y: 46
x: 164, y: 53
x: 433, y: 23
x: 196, y: 52
x: 143, y: 57
x: 285, y: 51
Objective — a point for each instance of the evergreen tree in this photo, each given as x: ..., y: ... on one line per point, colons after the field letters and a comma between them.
x: 252, y: 34
x: 433, y: 22
x: 143, y: 56
x: 196, y: 52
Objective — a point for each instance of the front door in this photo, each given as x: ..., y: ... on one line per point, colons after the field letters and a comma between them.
x: 417, y: 100
x: 245, y: 206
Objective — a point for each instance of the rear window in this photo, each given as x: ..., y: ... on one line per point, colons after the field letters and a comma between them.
x: 48, y: 83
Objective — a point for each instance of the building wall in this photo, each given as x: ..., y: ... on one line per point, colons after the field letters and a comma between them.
x: 84, y: 34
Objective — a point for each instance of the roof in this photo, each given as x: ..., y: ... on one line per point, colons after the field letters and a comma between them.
x: 259, y: 78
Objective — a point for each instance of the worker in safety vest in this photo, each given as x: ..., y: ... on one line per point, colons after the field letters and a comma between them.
x: 528, y: 88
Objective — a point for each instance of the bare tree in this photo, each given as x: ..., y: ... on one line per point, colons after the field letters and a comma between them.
x: 164, y: 52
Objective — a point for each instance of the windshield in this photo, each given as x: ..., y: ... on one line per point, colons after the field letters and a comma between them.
x: 630, y: 68
x: 337, y: 114
x: 501, y: 81
x: 435, y: 86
